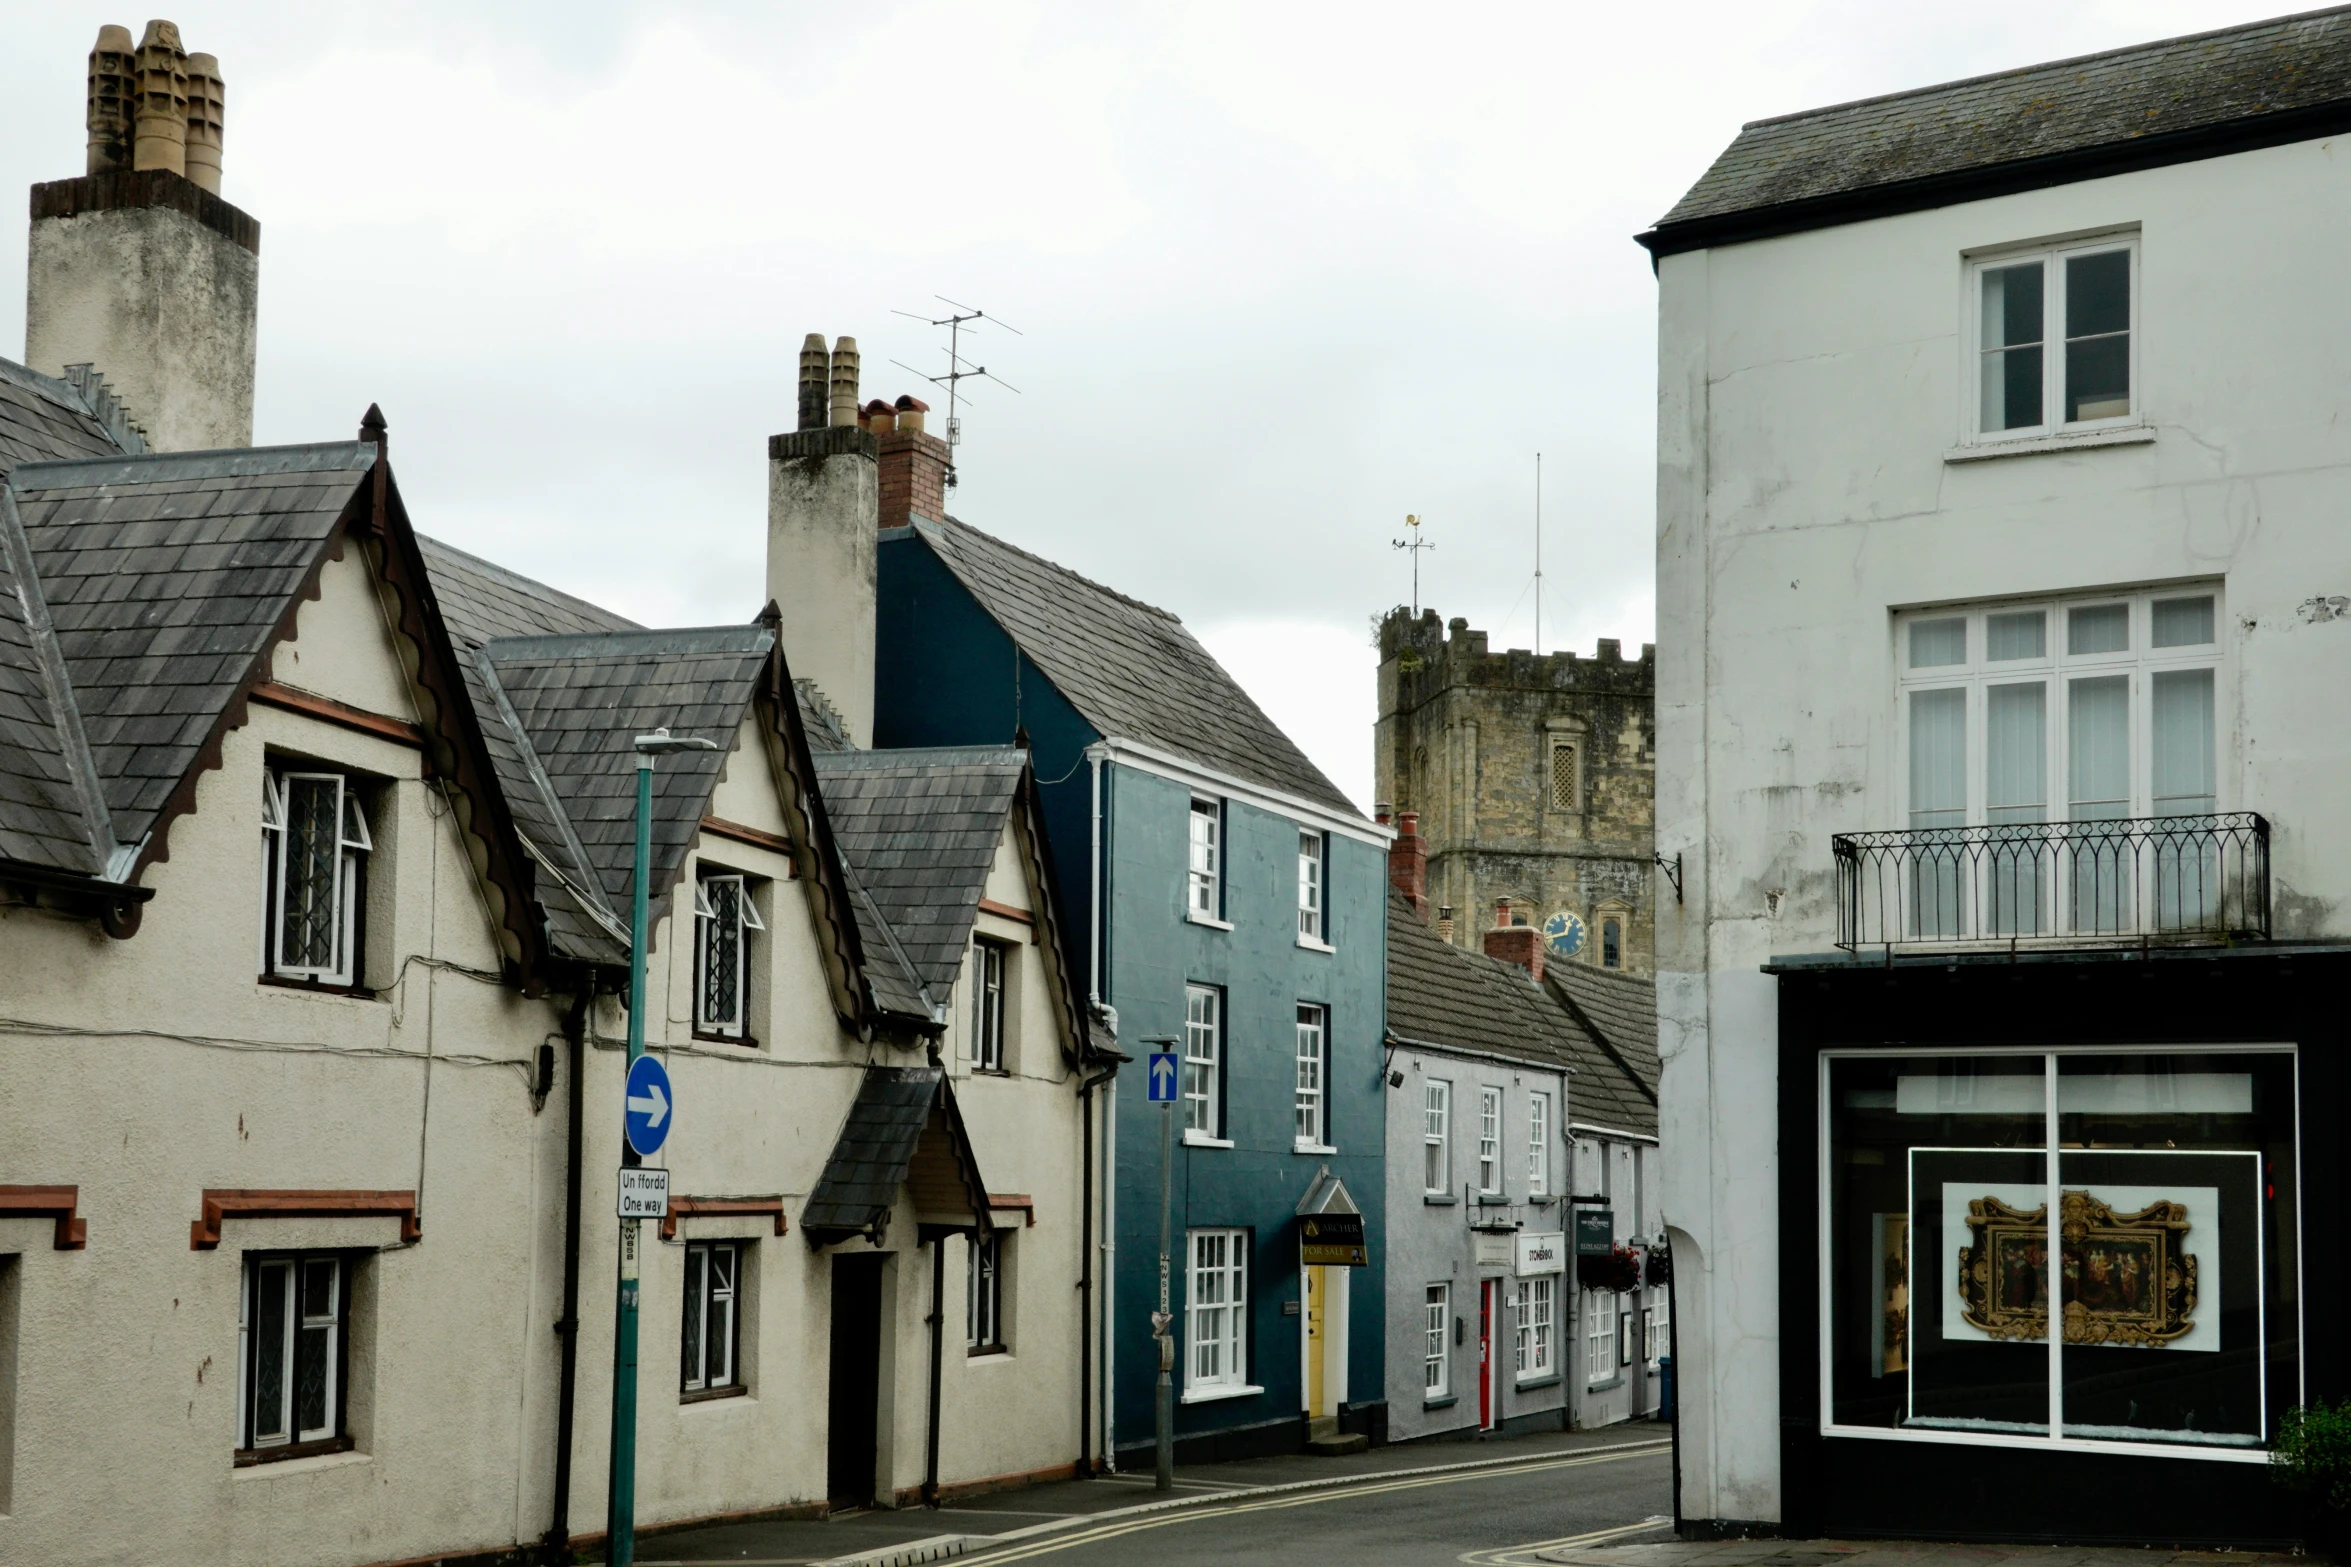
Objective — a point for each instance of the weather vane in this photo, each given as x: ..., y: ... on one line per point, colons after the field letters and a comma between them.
x: 1414, y: 544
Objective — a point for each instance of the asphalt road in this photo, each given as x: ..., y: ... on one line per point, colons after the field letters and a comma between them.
x: 1579, y: 1487
x: 1488, y: 1517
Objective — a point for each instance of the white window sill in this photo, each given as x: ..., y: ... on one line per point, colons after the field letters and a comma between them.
x: 1209, y: 1395
x: 1312, y: 1148
x: 1312, y: 945
x: 1193, y: 1139
x: 1984, y: 451
x: 1212, y: 924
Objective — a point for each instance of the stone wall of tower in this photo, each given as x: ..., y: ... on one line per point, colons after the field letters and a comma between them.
x: 1534, y: 776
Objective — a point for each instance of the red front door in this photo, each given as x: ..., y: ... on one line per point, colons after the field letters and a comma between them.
x: 1486, y: 1355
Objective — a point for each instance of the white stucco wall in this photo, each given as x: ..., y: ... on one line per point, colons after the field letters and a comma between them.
x: 1808, y: 389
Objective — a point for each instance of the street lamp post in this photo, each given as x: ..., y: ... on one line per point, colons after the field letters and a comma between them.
x: 620, y: 1507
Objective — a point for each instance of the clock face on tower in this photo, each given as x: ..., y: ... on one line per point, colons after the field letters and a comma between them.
x: 1563, y: 933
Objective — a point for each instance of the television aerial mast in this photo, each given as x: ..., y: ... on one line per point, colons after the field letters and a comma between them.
x: 960, y: 319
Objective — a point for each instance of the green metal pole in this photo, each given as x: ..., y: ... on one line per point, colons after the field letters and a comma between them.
x: 1164, y: 1479
x: 620, y: 1512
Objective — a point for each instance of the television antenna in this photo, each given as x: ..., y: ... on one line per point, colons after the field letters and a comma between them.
x: 959, y: 319
x: 1538, y: 554
x: 1414, y: 544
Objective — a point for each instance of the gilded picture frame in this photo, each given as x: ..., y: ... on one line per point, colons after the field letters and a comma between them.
x: 2123, y: 1278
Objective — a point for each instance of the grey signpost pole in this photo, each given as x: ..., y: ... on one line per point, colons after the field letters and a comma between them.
x: 620, y: 1497
x: 1163, y: 1320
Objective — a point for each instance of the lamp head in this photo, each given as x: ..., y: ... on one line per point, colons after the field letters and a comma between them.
x: 661, y: 742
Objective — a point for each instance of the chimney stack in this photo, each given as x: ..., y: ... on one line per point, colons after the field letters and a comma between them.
x: 1515, y: 943
x: 913, y: 463
x: 1408, y: 863
x: 138, y: 269
x: 822, y: 548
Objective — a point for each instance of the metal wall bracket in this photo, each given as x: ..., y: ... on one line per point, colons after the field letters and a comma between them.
x: 1672, y: 869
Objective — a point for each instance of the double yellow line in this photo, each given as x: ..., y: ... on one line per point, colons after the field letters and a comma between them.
x: 1336, y: 1493
x: 1526, y: 1555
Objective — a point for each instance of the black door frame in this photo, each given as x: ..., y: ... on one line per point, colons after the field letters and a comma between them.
x: 854, y: 1379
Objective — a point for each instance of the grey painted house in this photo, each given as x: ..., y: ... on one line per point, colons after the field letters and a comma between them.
x: 1519, y: 1095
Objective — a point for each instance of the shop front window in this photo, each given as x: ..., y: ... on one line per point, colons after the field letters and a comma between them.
x: 2145, y: 1200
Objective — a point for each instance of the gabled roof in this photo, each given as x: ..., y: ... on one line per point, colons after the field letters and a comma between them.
x: 2263, y: 83
x: 43, y: 419
x: 51, y: 815
x: 1132, y: 671
x: 1600, y: 1026
x: 902, y: 1130
x: 167, y: 578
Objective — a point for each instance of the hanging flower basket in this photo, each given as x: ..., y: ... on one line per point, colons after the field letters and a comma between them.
x: 1660, y: 1268
x: 1619, y: 1270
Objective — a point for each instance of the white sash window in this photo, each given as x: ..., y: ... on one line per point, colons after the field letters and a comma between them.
x: 314, y: 847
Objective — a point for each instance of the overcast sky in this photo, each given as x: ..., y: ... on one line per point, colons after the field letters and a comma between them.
x: 1285, y: 273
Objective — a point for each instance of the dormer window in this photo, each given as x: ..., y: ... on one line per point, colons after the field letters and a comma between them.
x: 724, y: 917
x: 314, y: 848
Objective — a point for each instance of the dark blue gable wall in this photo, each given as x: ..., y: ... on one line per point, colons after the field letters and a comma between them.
x: 946, y: 674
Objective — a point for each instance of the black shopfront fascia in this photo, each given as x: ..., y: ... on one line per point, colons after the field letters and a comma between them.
x: 1918, y: 1487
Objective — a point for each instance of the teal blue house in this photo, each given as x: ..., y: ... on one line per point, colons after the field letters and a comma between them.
x: 1234, y: 908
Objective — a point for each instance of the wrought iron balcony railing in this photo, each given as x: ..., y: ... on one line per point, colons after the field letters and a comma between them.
x: 2173, y: 879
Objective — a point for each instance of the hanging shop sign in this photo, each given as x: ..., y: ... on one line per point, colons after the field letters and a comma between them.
x: 1332, y: 1240
x: 1595, y: 1232
x: 1541, y: 1252
x: 1491, y: 1249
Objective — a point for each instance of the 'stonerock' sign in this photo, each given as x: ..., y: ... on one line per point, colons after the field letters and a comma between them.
x: 1541, y: 1253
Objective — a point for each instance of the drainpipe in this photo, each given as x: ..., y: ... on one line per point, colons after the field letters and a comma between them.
x: 556, y: 1546
x: 1086, y: 1087
x: 930, y: 1474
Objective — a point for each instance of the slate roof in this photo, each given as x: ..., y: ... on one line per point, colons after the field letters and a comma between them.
x: 920, y: 830
x: 1441, y: 995
x: 2161, y: 101
x: 166, y: 578
x: 45, y: 818
x: 43, y: 419
x: 869, y: 1158
x: 1133, y: 671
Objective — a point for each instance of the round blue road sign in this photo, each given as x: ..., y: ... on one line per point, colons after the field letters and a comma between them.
x: 646, y: 1106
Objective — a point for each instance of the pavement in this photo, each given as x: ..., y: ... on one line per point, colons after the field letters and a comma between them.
x: 1901, y: 1553
x: 1487, y: 1501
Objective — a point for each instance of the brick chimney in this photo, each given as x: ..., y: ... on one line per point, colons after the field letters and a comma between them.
x: 1512, y: 943
x: 1408, y: 864
x: 913, y: 462
x: 138, y: 269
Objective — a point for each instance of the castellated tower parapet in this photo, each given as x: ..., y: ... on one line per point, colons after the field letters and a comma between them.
x: 1534, y: 777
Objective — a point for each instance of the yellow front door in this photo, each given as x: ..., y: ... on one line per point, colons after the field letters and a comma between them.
x: 1315, y: 1295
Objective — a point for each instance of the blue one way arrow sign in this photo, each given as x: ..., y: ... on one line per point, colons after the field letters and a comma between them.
x: 1163, y: 1076
x: 646, y: 1105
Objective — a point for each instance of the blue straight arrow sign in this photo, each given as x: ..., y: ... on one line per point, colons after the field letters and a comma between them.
x: 1163, y: 1076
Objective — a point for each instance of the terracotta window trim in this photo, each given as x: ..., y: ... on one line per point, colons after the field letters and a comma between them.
x: 223, y: 1204
x: 49, y: 1202
x: 720, y: 827
x: 1015, y: 1201
x: 1005, y: 911
x: 341, y: 714
x: 703, y: 1395
x: 247, y: 1457
x: 708, y: 1207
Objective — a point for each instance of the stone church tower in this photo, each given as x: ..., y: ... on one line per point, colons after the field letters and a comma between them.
x: 1533, y: 776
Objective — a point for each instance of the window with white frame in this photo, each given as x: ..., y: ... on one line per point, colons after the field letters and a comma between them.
x: 1310, y: 869
x: 1538, y: 1145
x: 1660, y: 1329
x: 291, y: 1332
x: 1436, y: 1361
x: 1203, y: 1084
x: 1531, y: 1314
x: 711, y: 1327
x: 2054, y: 330
x: 1205, y: 894
x: 314, y: 849
x: 1313, y: 1129
x: 983, y: 1316
x: 988, y: 968
x: 724, y: 918
x: 1436, y: 1135
x: 2098, y: 708
x: 1216, y: 1309
x: 1490, y: 1141
x: 1599, y: 1335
